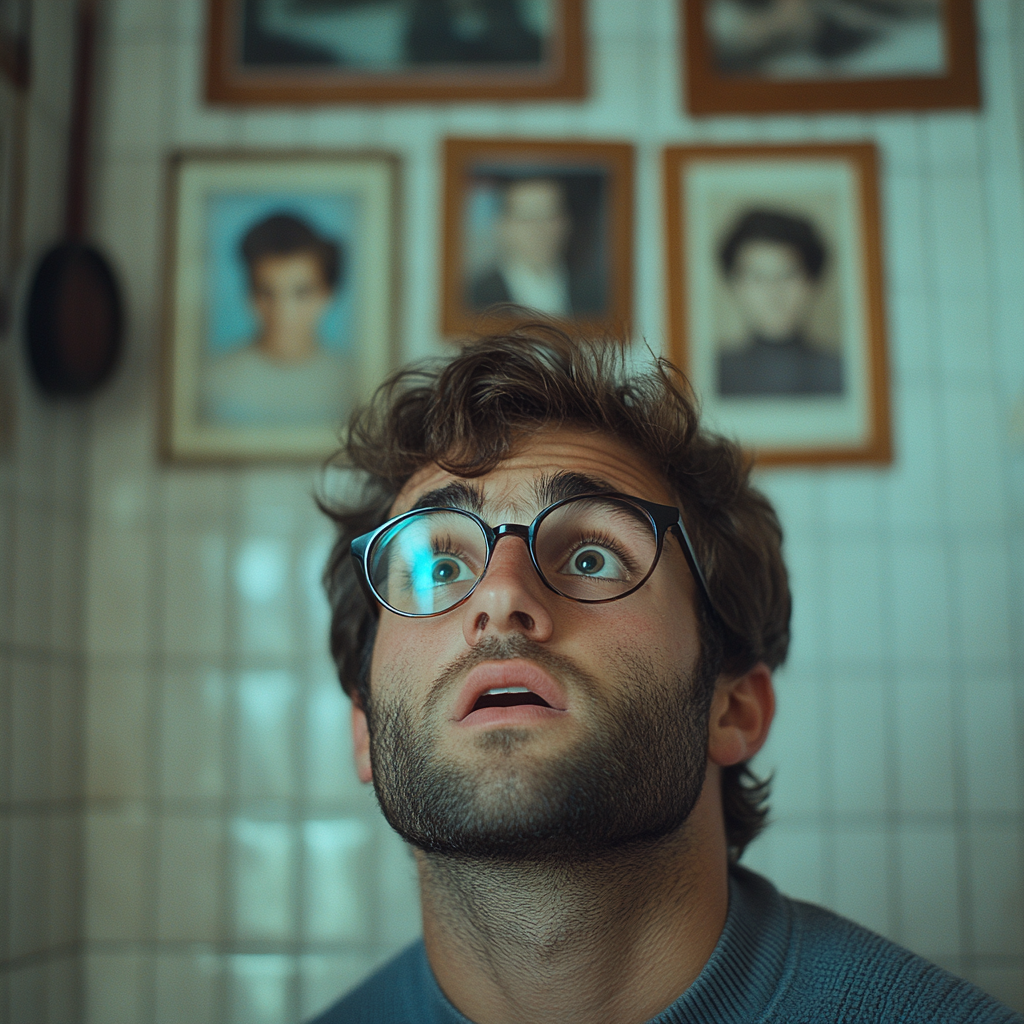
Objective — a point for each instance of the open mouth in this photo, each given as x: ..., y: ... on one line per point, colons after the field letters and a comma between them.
x: 509, y: 692
x: 508, y: 697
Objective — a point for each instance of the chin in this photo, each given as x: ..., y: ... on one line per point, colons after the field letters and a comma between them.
x: 520, y: 809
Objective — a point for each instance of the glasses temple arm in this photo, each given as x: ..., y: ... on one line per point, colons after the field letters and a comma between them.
x: 698, y: 573
x: 357, y: 549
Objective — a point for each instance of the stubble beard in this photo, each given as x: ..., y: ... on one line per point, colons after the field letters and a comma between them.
x: 631, y: 779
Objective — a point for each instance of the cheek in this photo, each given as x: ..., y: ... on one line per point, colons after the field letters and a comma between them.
x: 669, y: 622
x: 313, y: 303
x: 387, y: 651
x: 404, y: 654
x: 664, y: 629
x: 749, y: 298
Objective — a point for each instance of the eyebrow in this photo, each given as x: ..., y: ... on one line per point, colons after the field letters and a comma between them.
x: 454, y: 495
x: 547, y: 490
x: 567, y: 484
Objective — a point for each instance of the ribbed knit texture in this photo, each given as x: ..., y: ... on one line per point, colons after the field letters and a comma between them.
x: 778, y: 960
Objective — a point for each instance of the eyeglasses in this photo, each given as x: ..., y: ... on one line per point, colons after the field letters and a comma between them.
x: 592, y: 548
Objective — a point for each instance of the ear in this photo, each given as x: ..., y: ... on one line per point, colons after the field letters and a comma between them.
x: 361, y: 744
x: 741, y: 714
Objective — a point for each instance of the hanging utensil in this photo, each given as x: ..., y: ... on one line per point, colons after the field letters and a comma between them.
x: 74, y: 319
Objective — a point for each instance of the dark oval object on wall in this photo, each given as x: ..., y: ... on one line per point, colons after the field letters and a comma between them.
x: 74, y: 321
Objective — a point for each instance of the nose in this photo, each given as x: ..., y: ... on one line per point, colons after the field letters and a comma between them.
x: 510, y: 598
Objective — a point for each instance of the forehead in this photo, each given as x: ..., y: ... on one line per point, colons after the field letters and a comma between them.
x: 765, y: 251
x: 515, y: 484
x: 301, y: 262
x: 541, y: 194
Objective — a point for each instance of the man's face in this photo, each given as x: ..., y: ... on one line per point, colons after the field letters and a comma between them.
x: 772, y: 289
x: 534, y: 226
x: 620, y: 752
x: 289, y: 294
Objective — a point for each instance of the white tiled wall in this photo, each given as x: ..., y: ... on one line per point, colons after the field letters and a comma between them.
x: 235, y: 870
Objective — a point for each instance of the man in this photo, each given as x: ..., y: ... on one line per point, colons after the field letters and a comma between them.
x: 532, y: 235
x: 773, y: 264
x: 557, y: 608
x: 283, y: 376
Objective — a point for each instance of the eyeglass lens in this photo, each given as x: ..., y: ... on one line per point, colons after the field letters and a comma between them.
x: 588, y: 549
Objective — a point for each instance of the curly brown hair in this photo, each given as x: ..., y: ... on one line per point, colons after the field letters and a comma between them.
x: 466, y: 415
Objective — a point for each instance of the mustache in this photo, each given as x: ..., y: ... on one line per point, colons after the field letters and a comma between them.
x: 494, y: 648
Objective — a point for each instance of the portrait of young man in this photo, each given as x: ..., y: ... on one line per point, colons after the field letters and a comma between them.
x: 557, y: 607
x: 282, y: 375
x: 773, y: 263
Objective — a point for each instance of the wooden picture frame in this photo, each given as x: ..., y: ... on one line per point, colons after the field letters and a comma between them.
x: 258, y: 58
x: 563, y: 206
x: 280, y: 300
x: 775, y: 297
x: 932, y: 64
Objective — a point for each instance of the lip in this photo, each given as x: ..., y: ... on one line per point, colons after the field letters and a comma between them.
x: 500, y: 674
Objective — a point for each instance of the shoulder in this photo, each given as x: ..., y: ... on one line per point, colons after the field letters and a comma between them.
x: 839, y: 971
x: 740, y: 372
x: 825, y: 372
x: 239, y: 367
x: 588, y: 291
x: 403, y: 991
x: 239, y: 357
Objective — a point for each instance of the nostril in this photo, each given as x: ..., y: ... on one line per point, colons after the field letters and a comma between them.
x: 481, y: 621
x: 525, y: 621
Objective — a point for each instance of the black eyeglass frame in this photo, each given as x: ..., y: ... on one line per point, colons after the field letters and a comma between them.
x: 662, y: 518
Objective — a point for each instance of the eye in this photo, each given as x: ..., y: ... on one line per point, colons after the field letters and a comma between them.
x: 588, y: 562
x: 448, y: 569
x: 595, y: 562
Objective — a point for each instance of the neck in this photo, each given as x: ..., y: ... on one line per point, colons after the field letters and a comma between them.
x: 543, y: 268
x: 287, y: 346
x: 615, y: 939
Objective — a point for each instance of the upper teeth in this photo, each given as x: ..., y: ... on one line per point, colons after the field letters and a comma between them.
x: 507, y: 689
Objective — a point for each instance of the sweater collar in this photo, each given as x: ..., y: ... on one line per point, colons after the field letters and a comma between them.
x: 745, y: 968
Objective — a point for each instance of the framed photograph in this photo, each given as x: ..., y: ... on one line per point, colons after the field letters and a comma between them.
x: 775, y: 297
x: 280, y: 296
x: 767, y: 56
x: 331, y: 51
x: 544, y: 225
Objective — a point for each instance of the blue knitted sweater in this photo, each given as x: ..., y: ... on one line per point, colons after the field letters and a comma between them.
x: 778, y: 960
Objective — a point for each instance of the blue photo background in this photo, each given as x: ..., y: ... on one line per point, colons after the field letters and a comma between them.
x: 231, y: 323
